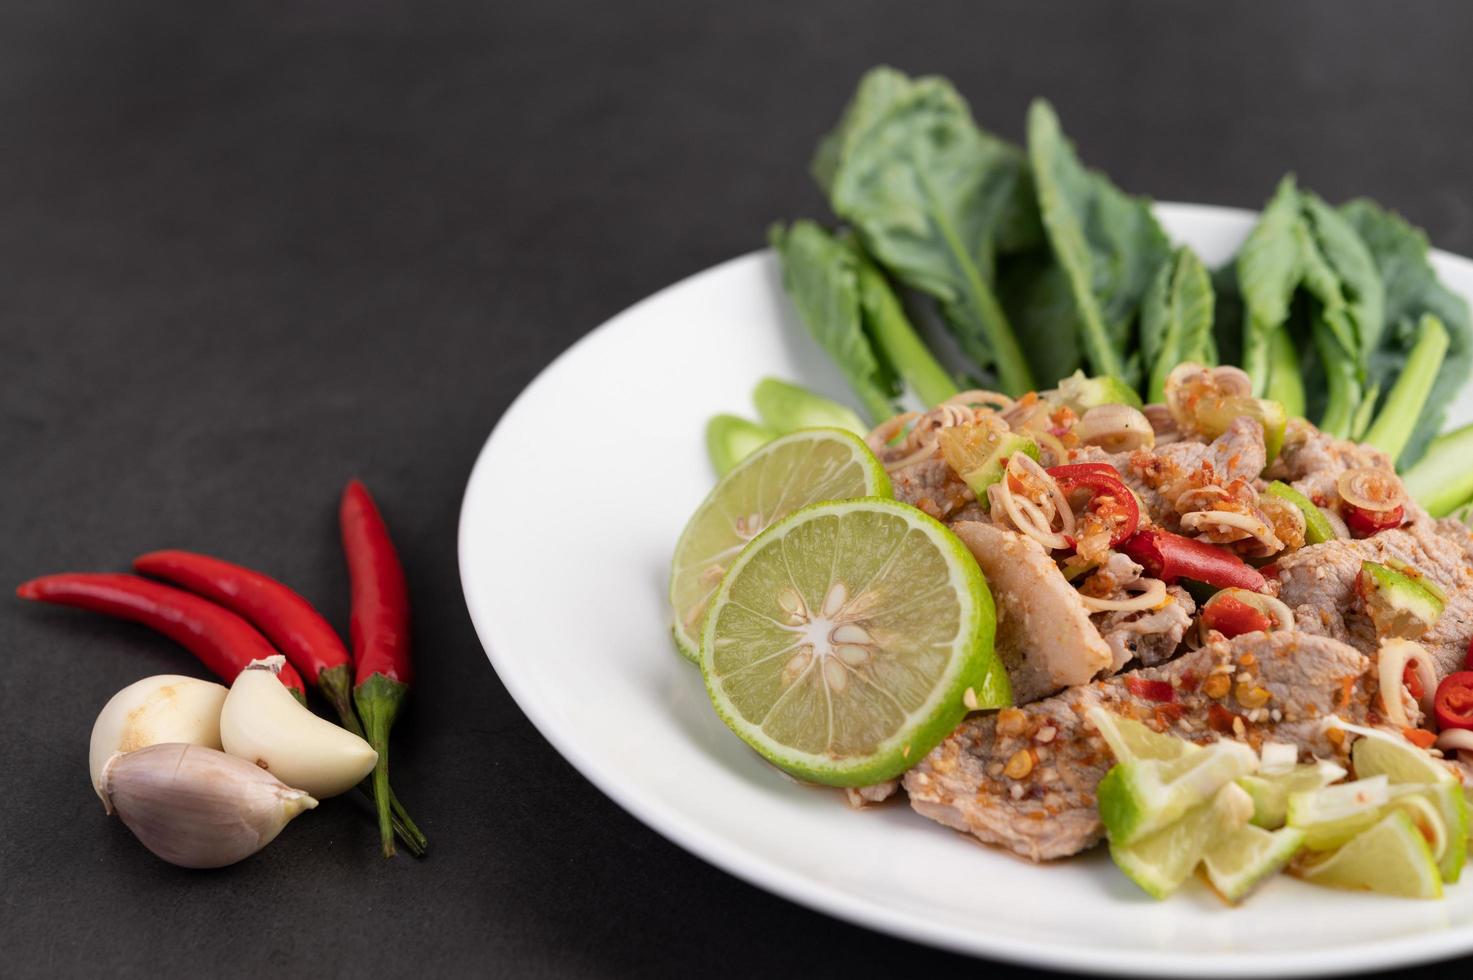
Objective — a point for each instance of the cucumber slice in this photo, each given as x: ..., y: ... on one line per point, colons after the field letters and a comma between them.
x: 1399, y: 604
x: 1317, y: 528
x: 730, y: 439
x: 785, y: 407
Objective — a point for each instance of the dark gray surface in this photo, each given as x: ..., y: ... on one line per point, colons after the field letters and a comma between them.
x: 250, y: 250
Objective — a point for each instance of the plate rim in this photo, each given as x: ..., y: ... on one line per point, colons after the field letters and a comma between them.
x: 761, y: 872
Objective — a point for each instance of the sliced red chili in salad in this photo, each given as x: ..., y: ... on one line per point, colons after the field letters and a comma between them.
x: 1412, y: 682
x: 1110, y: 500
x: 1169, y: 556
x: 1150, y: 690
x: 1453, y: 703
x: 1232, y: 617
x: 1364, y: 523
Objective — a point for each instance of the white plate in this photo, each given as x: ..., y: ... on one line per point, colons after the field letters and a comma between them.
x: 565, y: 536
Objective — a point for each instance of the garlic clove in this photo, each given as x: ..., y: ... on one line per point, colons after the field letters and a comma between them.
x: 198, y: 807
x: 165, y: 708
x: 262, y: 723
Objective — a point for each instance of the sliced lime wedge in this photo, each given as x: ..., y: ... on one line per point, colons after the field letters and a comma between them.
x: 1441, y: 813
x: 1403, y: 764
x: 849, y: 638
x: 1392, y: 858
x: 1331, y: 816
x: 1271, y: 791
x: 1160, y: 862
x: 1378, y: 753
x: 783, y: 476
x: 1139, y: 798
x: 1131, y: 741
x: 1244, y: 859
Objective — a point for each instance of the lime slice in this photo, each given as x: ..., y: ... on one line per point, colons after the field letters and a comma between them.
x: 1331, y: 816
x: 1160, y: 862
x: 1131, y: 741
x: 1139, y: 798
x: 1378, y: 753
x: 849, y: 638
x: 1241, y: 861
x: 1391, y: 858
x: 1448, y: 833
x: 1402, y: 763
x: 783, y: 476
x: 1271, y: 791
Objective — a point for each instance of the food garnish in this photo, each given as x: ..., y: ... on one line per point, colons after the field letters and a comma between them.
x: 848, y: 639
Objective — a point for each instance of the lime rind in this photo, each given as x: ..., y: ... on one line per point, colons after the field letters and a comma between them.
x: 1161, y: 861
x: 753, y: 705
x: 1137, y: 799
x: 711, y: 536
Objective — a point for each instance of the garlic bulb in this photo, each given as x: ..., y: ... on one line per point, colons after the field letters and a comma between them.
x: 166, y: 708
x: 198, y: 807
x: 263, y: 724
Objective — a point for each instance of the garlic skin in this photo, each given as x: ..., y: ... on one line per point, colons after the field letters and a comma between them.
x: 198, y: 807
x: 165, y: 708
x: 264, y: 725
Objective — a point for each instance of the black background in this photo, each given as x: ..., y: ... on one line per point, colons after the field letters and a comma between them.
x: 250, y: 250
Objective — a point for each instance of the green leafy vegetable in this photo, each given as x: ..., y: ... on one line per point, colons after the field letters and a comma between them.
x: 821, y: 274
x: 850, y: 309
x: 1268, y: 270
x: 1176, y: 319
x: 934, y: 199
x: 1303, y: 256
x: 899, y: 346
x: 1412, y: 290
x: 1107, y: 242
x: 1035, y: 293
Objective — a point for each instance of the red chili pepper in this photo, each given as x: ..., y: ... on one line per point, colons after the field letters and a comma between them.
x: 1453, y: 703
x: 379, y: 627
x: 222, y: 641
x: 1110, y: 499
x: 1412, y: 682
x: 1171, y: 556
x: 289, y: 621
x: 1364, y: 523
x: 1150, y: 690
x: 1232, y: 617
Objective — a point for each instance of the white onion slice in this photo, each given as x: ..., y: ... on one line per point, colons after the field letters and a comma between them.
x: 1115, y: 429
x: 1392, y: 660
